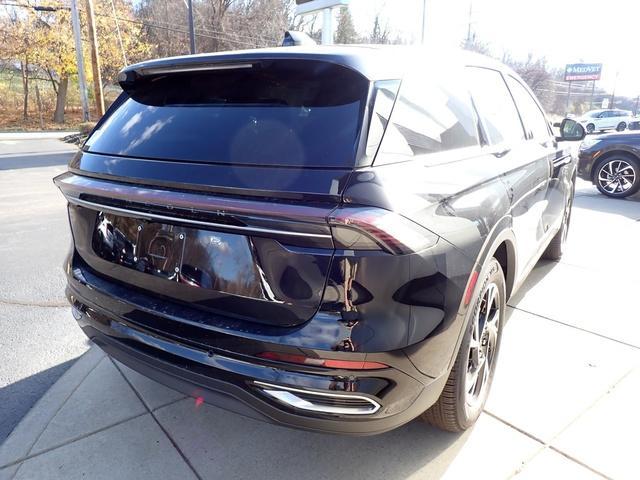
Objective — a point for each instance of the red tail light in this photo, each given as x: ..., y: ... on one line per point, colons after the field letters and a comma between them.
x: 321, y: 362
x: 375, y: 229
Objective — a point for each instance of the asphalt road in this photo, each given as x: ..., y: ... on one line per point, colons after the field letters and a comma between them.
x: 38, y: 336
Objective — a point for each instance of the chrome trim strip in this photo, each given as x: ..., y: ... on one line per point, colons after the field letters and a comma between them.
x: 165, y: 218
x: 199, y: 67
x: 287, y: 395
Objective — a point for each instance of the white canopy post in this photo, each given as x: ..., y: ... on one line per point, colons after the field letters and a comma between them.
x: 304, y: 7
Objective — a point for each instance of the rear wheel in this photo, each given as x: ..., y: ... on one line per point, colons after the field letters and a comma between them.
x: 618, y: 176
x: 467, y: 387
x: 621, y: 127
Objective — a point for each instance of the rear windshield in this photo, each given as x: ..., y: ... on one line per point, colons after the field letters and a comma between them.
x: 289, y: 113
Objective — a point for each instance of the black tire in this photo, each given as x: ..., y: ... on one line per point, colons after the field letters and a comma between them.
x: 616, y: 164
x: 555, y: 249
x: 452, y: 411
x: 591, y: 128
x: 621, y: 127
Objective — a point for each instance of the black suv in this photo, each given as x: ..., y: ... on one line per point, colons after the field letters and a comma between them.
x: 320, y: 237
x: 612, y: 163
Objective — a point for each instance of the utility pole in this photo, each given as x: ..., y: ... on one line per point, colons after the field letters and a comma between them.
x: 192, y: 32
x: 95, y: 59
x: 423, y: 38
x: 593, y: 87
x: 469, y: 22
x: 613, y: 93
x: 568, y: 96
x: 115, y: 19
x: 75, y: 21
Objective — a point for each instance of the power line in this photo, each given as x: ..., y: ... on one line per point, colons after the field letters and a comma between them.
x: 218, y: 35
x: 186, y: 32
x: 219, y: 32
x: 115, y: 17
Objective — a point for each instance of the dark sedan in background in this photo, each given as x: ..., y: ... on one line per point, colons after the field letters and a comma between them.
x: 612, y: 163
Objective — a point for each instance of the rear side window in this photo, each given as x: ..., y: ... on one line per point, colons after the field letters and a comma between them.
x: 385, y: 93
x: 495, y: 106
x: 291, y: 113
x: 535, y: 123
x: 430, y: 115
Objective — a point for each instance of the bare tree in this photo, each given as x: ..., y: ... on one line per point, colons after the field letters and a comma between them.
x: 219, y: 24
x: 165, y: 24
x: 474, y: 45
x: 255, y: 23
x: 379, y: 33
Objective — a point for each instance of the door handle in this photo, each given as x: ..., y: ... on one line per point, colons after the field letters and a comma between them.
x: 501, y: 153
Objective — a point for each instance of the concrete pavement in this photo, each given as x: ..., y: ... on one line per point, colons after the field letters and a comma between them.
x: 562, y: 404
x: 19, y: 153
x: 23, y: 136
x: 38, y: 338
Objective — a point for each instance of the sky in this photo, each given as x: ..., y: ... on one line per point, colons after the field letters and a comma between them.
x: 563, y: 31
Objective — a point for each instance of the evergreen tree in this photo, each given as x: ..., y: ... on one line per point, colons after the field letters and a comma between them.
x: 346, y: 31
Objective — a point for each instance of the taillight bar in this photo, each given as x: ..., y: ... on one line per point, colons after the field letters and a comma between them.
x: 345, y: 228
x: 368, y: 228
x: 292, y: 224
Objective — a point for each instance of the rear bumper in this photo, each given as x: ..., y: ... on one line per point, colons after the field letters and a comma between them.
x: 228, y: 379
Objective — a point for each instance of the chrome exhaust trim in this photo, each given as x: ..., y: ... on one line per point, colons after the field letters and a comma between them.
x: 340, y: 404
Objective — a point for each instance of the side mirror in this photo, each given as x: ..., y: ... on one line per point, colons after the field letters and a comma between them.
x: 571, y: 131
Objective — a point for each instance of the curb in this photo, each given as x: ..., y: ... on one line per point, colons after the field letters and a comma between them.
x: 35, y: 135
x: 24, y: 436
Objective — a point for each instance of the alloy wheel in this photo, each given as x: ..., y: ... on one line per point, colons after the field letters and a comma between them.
x: 617, y: 176
x: 483, y: 344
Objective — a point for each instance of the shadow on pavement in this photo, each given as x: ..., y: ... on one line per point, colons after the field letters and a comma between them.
x: 541, y: 270
x: 14, y: 162
x: 216, y: 441
x: 628, y: 207
x: 16, y: 398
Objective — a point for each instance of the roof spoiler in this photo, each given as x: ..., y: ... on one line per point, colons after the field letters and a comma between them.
x: 127, y: 78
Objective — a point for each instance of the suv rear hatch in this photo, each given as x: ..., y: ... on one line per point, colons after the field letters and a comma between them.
x: 212, y: 184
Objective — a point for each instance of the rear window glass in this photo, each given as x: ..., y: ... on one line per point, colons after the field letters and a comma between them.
x: 289, y: 113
